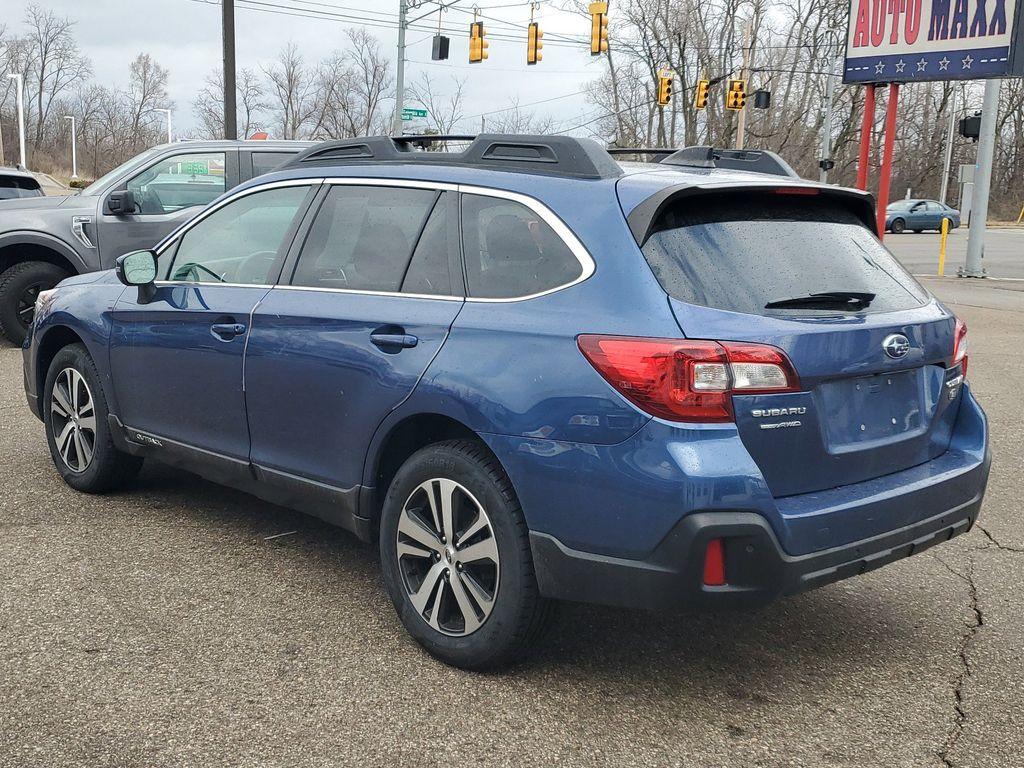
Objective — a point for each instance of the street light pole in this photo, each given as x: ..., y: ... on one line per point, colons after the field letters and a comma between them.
x: 168, y: 113
x: 74, y: 147
x: 19, y: 84
x: 228, y: 43
x: 949, y: 148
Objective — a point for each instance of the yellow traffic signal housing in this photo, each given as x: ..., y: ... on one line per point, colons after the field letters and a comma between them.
x: 664, y: 88
x: 533, y: 43
x: 598, y: 28
x: 477, y: 42
x: 700, y: 99
x: 736, y: 96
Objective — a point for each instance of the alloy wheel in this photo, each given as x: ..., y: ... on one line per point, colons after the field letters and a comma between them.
x: 27, y: 304
x: 73, y: 420
x: 448, y: 557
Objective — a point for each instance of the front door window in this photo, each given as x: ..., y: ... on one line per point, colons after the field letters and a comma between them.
x: 177, y: 182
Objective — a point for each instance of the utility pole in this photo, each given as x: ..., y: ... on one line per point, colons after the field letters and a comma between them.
x: 403, y: 22
x: 19, y: 84
x: 74, y: 147
x: 228, y: 33
x: 949, y: 148
x: 982, y: 180
x: 826, y: 123
x: 741, y: 122
x: 168, y: 113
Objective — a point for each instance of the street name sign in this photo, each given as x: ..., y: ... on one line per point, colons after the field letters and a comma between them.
x: 409, y: 114
x: 903, y: 41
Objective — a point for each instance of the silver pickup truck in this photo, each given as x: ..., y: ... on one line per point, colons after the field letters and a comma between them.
x: 45, y: 239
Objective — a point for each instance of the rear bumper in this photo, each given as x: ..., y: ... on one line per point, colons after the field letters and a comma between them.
x: 757, y: 569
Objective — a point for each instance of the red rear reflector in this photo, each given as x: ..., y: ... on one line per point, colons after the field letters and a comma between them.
x: 797, y: 191
x: 714, y: 564
x: 960, y: 345
x: 687, y: 380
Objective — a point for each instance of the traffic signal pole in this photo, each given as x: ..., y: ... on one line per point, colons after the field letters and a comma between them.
x: 866, y: 126
x: 885, y: 177
x: 396, y: 125
x: 982, y: 180
x: 948, y: 161
x: 741, y: 121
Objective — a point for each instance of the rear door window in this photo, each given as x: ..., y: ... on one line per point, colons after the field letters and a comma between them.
x: 743, y: 252
x: 362, y: 238
x: 511, y: 251
x: 265, y: 162
x: 429, y: 272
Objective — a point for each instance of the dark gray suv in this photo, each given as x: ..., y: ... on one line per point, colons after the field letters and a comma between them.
x: 45, y: 239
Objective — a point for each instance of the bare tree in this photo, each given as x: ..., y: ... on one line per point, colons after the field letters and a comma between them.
x: 443, y: 112
x: 250, y: 99
x: 147, y: 91
x: 291, y: 97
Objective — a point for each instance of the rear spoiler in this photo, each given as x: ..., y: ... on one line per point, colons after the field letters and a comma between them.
x: 644, y: 217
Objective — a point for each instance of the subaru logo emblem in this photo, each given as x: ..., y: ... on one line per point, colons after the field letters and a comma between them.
x: 896, y: 345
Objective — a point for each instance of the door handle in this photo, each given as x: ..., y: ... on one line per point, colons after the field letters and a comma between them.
x: 227, y: 331
x: 394, y: 340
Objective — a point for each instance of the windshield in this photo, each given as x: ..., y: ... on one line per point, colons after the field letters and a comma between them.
x: 102, y: 181
x: 742, y: 252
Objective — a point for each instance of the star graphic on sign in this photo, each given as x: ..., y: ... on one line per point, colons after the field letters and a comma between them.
x: 943, y: 64
x: 879, y: 68
x: 922, y: 64
x: 900, y: 65
x: 967, y: 61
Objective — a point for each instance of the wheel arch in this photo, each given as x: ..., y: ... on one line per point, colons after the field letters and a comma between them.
x: 394, y: 443
x: 19, y: 247
x: 53, y: 341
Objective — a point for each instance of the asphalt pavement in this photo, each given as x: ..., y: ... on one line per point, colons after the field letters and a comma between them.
x: 1003, y: 255
x: 179, y: 623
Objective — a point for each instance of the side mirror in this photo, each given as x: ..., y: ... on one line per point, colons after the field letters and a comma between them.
x: 121, y: 202
x: 138, y: 268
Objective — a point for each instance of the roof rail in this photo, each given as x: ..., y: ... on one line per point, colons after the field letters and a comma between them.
x: 640, y: 151
x: 555, y: 155
x: 753, y: 160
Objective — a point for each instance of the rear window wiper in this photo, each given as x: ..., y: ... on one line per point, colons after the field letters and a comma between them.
x: 841, y: 299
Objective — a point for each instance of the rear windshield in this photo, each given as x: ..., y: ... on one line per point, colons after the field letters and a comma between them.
x: 742, y: 252
x: 18, y: 186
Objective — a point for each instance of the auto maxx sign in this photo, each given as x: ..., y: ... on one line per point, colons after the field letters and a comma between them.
x: 899, y: 41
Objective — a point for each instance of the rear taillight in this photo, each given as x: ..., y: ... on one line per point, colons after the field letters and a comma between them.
x: 960, y: 346
x: 714, y: 564
x: 688, y: 380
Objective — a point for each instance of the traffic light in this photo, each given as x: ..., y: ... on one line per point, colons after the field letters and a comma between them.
x: 533, y: 43
x: 664, y: 88
x: 477, y: 42
x: 736, y: 96
x: 439, y: 49
x: 598, y: 28
x: 970, y: 127
x: 700, y: 99
x: 762, y: 99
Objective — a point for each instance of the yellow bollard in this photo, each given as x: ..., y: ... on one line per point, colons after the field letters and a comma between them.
x: 1021, y: 217
x: 942, y: 247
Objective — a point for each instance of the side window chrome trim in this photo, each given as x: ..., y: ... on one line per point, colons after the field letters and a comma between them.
x: 214, y: 208
x: 559, y: 227
x: 394, y: 294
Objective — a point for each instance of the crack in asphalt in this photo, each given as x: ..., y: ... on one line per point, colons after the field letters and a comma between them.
x: 1000, y: 545
x: 971, y: 630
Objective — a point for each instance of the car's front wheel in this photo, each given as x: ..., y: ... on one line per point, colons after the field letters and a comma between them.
x: 456, y: 559
x: 75, y: 414
x: 898, y: 226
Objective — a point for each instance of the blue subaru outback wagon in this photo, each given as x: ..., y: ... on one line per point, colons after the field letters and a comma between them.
x: 530, y: 372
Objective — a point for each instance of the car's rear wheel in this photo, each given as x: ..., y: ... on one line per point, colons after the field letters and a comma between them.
x: 950, y: 224
x: 898, y: 226
x: 456, y: 558
x: 75, y: 414
x: 19, y: 287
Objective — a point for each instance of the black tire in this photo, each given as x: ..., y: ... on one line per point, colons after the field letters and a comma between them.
x: 19, y: 287
x: 519, y: 612
x: 898, y: 226
x: 107, y: 467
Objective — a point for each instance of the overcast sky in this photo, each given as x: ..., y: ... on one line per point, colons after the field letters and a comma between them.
x: 184, y: 37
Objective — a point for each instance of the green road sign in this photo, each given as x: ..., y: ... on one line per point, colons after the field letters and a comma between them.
x: 409, y: 114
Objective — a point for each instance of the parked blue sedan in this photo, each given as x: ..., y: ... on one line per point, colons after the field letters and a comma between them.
x: 919, y: 215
